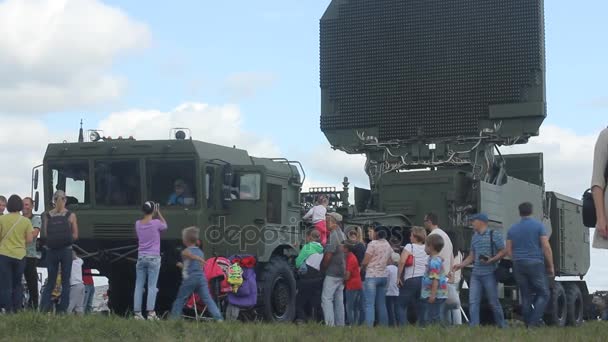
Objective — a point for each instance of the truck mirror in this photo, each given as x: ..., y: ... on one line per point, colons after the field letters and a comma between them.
x: 36, y: 177
x: 36, y: 200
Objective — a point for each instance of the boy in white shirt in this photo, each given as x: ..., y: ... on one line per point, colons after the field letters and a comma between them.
x: 392, y: 291
x: 76, y: 304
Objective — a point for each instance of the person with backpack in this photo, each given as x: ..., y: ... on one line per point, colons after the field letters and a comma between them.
x: 598, y: 190
x: 60, y: 227
x: 15, y: 233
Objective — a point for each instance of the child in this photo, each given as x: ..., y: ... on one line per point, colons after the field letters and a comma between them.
x: 76, y: 304
x: 317, y: 215
x: 392, y: 291
x: 434, y: 281
x: 353, y: 286
x: 311, y: 247
x: 193, y: 278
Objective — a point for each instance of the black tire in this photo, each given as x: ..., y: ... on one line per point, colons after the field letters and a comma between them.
x: 556, y: 313
x: 121, y: 286
x: 575, y: 305
x: 278, y: 289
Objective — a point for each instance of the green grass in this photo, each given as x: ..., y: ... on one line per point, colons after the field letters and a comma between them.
x: 37, y: 327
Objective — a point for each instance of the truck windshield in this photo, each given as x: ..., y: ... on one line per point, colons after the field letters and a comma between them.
x: 71, y: 177
x: 117, y: 183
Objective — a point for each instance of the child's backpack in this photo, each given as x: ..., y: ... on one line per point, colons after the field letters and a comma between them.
x: 235, y: 277
x: 217, y: 268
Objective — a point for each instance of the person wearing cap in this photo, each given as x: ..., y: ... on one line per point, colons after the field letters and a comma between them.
x: 484, y: 265
x: 334, y: 267
x: 180, y: 193
x: 529, y: 248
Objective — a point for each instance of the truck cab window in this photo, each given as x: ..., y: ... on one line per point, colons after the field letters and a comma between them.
x: 172, y: 182
x: 117, y: 183
x: 209, y: 187
x: 247, y: 187
x: 273, y: 208
x: 73, y: 178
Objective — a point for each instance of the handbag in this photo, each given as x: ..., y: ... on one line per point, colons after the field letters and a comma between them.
x: 502, y: 272
x: 453, y: 299
x: 410, y: 258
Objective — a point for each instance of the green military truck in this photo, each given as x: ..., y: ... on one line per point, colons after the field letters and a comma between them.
x: 243, y: 205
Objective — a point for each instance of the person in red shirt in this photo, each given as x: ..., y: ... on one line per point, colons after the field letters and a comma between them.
x: 353, y: 286
x: 89, y: 290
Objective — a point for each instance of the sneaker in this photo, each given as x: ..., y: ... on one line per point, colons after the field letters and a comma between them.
x: 138, y: 317
x: 152, y: 316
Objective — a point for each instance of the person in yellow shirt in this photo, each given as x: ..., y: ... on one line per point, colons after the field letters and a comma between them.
x: 15, y: 233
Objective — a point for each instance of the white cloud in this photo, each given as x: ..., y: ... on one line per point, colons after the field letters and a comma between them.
x: 57, y: 54
x: 214, y: 124
x: 246, y: 84
x: 568, y: 158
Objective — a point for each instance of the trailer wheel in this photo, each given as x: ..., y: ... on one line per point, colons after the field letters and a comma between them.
x: 556, y: 314
x: 278, y: 291
x: 575, y: 305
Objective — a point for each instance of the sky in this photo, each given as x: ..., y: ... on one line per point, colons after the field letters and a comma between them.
x: 240, y: 73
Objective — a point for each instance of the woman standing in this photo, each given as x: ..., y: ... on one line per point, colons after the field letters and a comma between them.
x: 410, y: 275
x: 377, y: 257
x: 15, y: 233
x: 148, y: 260
x: 598, y: 188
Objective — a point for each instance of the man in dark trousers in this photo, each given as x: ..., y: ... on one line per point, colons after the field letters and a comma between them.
x: 528, y: 245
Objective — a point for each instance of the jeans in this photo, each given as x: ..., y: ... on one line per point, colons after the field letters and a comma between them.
x: 147, y: 270
x: 11, y: 289
x: 76, y: 299
x: 189, y: 285
x: 532, y: 282
x: 487, y: 283
x: 354, y: 306
x: 409, y: 299
x: 31, y: 279
x: 332, y: 301
x: 54, y: 258
x: 452, y: 314
x: 89, y: 295
x: 392, y: 308
x: 374, y: 292
x: 432, y: 312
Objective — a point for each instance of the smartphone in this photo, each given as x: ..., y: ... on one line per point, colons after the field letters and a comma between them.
x: 484, y: 258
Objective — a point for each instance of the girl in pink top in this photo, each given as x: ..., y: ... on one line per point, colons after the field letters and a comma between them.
x: 148, y: 260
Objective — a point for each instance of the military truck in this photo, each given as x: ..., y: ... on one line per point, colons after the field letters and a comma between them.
x: 243, y: 205
x: 429, y: 91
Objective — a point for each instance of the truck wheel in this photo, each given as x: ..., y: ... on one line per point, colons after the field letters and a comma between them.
x: 120, y: 292
x: 278, y: 291
x: 557, y: 308
x: 575, y: 305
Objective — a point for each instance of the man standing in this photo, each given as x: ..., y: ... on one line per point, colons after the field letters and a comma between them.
x: 334, y: 267
x: 32, y: 255
x: 483, y: 244
x: 431, y: 224
x: 528, y: 245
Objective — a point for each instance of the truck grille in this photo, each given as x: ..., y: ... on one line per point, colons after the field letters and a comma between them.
x: 113, y: 231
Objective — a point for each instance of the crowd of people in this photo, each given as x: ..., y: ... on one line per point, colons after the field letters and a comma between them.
x: 380, y: 283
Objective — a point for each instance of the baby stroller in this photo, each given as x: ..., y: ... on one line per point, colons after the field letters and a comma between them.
x: 216, y: 272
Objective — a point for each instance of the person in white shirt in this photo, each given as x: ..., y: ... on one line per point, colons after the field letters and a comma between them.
x: 76, y: 304
x: 392, y: 291
x: 431, y: 223
x: 317, y: 215
x: 410, y: 276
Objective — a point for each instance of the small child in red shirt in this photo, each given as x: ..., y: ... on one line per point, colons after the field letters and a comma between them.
x: 353, y: 286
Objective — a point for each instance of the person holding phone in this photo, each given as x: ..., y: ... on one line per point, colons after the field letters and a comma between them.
x: 148, y: 231
x: 484, y: 241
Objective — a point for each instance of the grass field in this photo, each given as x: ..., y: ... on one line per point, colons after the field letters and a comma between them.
x: 35, y: 327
